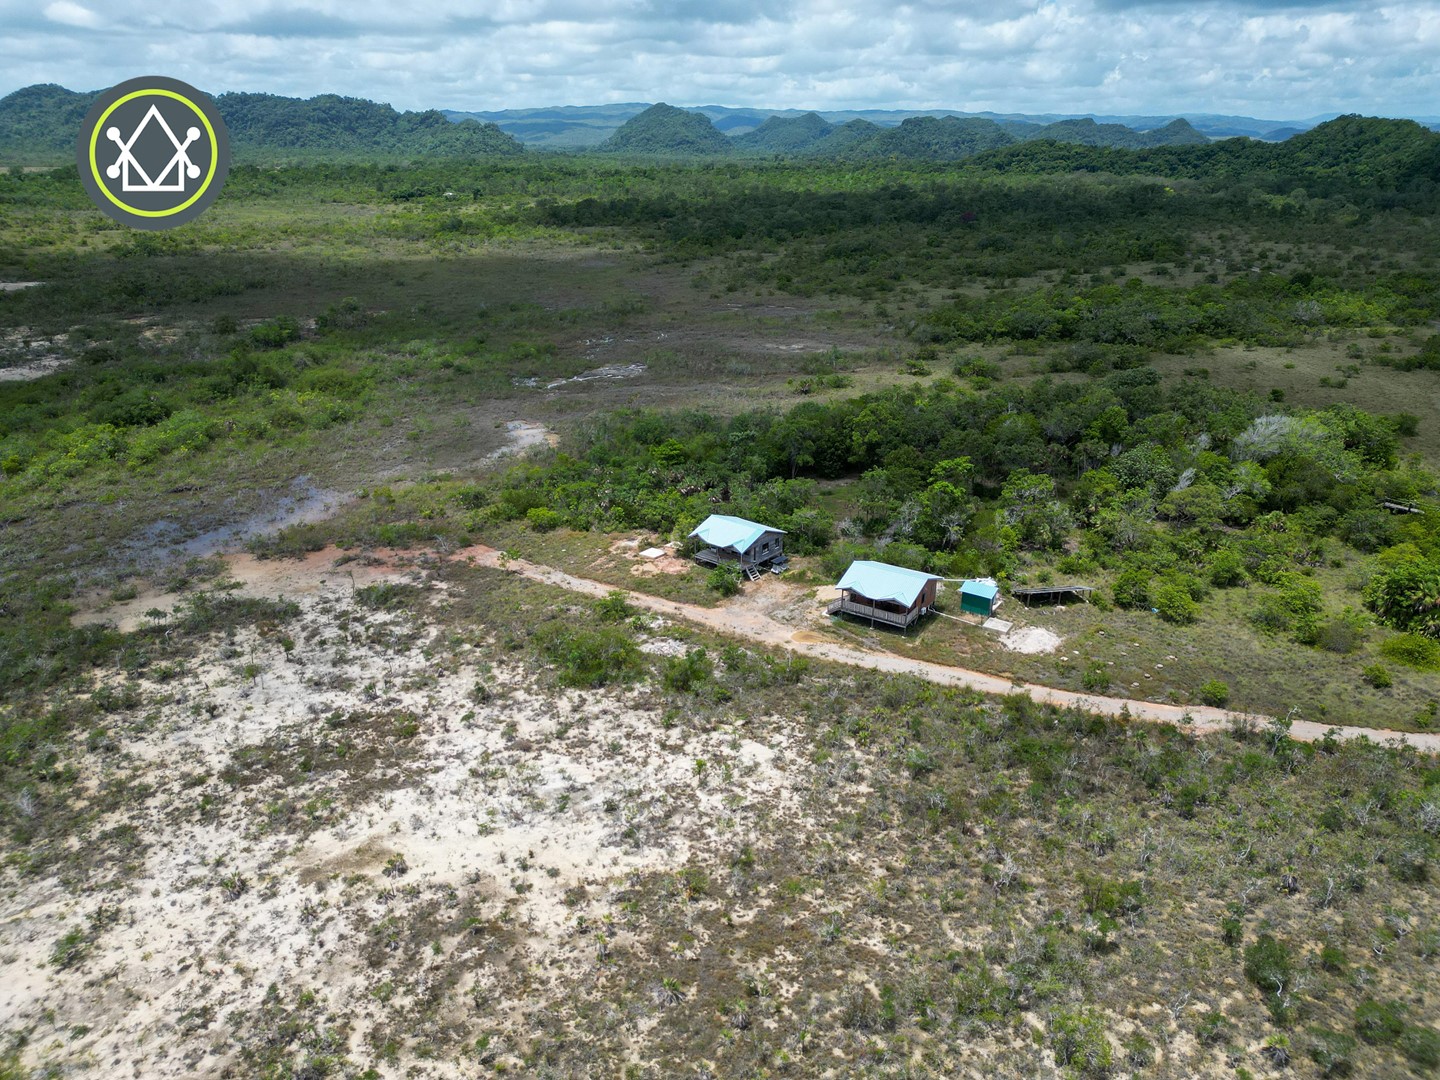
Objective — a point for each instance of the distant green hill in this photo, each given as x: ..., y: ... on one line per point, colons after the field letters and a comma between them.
x: 665, y: 130
x: 267, y: 125
x: 847, y: 140
x: 945, y: 138
x: 929, y: 138
x: 1086, y: 132
x: 575, y: 126
x: 1387, y: 153
x: 1349, y: 153
x: 39, y: 124
x: 785, y: 134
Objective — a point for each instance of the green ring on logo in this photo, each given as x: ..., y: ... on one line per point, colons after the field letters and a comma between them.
x: 214, y: 152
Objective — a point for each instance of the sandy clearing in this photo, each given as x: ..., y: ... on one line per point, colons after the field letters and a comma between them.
x: 38, y: 370
x: 326, y: 573
x: 529, y: 806
x: 523, y: 436
x: 1031, y: 640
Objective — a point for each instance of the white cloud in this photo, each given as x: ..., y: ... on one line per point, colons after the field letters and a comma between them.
x: 68, y: 13
x: 1272, y: 58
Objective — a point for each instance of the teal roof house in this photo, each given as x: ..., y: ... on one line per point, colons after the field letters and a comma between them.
x: 738, y: 540
x: 881, y: 593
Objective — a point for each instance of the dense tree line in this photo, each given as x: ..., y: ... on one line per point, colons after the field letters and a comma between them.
x: 1177, y: 490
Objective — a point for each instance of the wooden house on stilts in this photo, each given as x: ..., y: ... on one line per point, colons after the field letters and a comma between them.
x: 748, y: 544
x: 886, y: 594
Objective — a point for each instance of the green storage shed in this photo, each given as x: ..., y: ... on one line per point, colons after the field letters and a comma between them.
x: 979, y: 597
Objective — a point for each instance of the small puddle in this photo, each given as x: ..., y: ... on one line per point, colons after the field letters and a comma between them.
x: 609, y: 371
x: 301, y: 503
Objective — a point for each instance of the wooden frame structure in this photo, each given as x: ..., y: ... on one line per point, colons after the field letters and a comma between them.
x: 1051, y: 592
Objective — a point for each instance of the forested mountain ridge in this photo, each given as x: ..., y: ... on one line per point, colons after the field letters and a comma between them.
x: 1088, y: 133
x: 575, y: 127
x: 1349, y: 151
x: 667, y: 130
x: 38, y: 125
x: 664, y: 129
x: 786, y: 134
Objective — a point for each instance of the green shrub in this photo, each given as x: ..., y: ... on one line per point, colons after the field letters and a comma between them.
x: 979, y: 995
x: 1079, y: 1042
x: 183, y: 433
x: 1132, y: 589
x: 70, y: 948
x: 1173, y: 602
x: 1410, y: 863
x: 688, y: 672
x: 1402, y: 591
x: 1213, y: 1029
x: 1227, y: 569
x: 589, y: 658
x: 1332, y: 958
x: 1214, y: 693
x: 1293, y: 608
x: 275, y: 333
x: 1104, y: 897
x: 385, y: 595
x: 1332, y: 1051
x: 543, y: 519
x: 1413, y: 650
x: 724, y: 579
x: 1270, y: 969
x: 101, y: 354
x: 614, y: 607
x: 1232, y: 926
x: 976, y: 367
x: 1379, y: 1022
x: 333, y: 379
x: 1422, y: 1046
x: 1378, y: 676
x: 1139, y: 1052
x: 1096, y: 679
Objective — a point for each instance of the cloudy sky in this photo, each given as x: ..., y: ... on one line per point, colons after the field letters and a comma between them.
x: 1267, y: 58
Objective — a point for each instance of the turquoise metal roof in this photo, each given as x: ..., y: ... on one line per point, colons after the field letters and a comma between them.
x: 987, y: 589
x: 881, y: 581
x: 735, y: 533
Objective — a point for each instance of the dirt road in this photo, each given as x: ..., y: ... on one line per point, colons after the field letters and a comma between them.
x: 756, y: 626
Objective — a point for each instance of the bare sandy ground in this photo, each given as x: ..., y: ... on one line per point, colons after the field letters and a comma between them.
x: 478, y: 833
x: 30, y: 356
x: 488, y: 835
x: 523, y: 436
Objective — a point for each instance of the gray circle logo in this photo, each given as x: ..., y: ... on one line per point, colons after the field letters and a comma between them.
x: 153, y: 153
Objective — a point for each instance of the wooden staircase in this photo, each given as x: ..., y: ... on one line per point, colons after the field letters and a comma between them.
x: 753, y: 573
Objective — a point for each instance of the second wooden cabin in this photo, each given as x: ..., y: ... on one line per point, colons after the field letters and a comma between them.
x: 885, y: 594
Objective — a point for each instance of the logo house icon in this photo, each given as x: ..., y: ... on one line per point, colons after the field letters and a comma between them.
x: 126, y: 168
x: 153, y: 152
